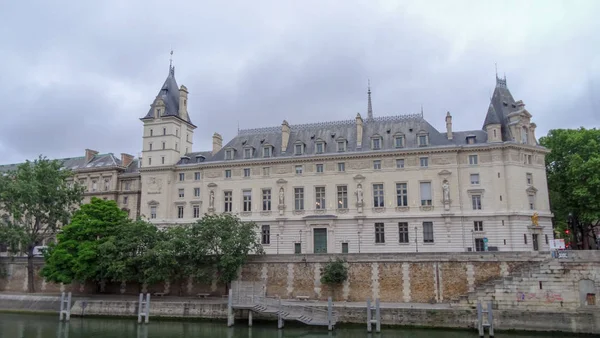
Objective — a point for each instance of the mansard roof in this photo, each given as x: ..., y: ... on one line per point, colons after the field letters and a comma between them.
x: 99, y: 162
x: 169, y: 93
x: 410, y: 126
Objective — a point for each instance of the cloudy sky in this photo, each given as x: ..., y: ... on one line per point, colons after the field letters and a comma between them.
x: 80, y: 74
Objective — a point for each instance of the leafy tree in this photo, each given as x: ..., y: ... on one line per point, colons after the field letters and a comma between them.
x: 38, y: 200
x: 227, y: 242
x: 334, y: 272
x: 574, y: 181
x: 76, y: 255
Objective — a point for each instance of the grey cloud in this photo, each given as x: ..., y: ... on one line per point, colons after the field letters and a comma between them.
x: 80, y: 75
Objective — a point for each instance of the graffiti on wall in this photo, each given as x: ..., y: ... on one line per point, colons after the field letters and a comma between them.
x: 548, y: 296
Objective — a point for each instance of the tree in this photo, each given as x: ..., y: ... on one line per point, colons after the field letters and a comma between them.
x: 574, y: 182
x: 227, y: 242
x: 76, y: 254
x: 38, y: 200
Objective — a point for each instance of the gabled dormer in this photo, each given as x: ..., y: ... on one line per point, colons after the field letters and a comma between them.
x: 320, y: 146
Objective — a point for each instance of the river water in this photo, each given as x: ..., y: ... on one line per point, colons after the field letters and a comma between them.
x: 46, y: 326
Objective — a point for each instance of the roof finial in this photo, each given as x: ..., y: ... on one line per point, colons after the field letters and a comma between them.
x: 421, y: 110
x: 238, y: 127
x: 369, y: 106
x: 496, y: 66
x: 171, y: 68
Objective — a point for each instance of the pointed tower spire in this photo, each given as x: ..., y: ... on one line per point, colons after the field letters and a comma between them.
x: 369, y: 106
x: 171, y: 68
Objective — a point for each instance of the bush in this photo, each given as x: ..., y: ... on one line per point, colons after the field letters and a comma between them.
x: 334, y: 273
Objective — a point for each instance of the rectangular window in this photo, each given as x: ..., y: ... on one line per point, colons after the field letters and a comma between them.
x: 181, y: 193
x: 474, y: 178
x: 427, y: 232
x: 164, y: 145
x: 151, y: 132
x: 319, y: 148
x: 164, y: 131
x: 531, y: 199
x: 424, y: 161
x: 196, y: 209
x: 345, y: 248
x: 162, y: 160
x: 267, y: 152
x: 247, y: 200
x: 180, y: 211
x: 341, y: 146
x: 228, y: 201
x: 399, y: 141
x: 377, y: 164
x: 400, y: 163
x: 379, y: 233
x: 319, y: 168
x: 196, y: 192
x: 181, y: 177
x: 422, y: 140
x: 479, y: 244
x: 478, y: 225
x: 247, y: 153
x: 529, y: 179
x: 266, y: 199
x: 342, y: 197
x: 297, y: 248
x: 298, y: 149
x: 426, y: 193
x: 476, y: 200
x: 153, y: 212
x: 341, y: 166
x: 320, y: 198
x: 227, y: 173
x: 197, y: 176
x: 473, y: 159
x: 376, y: 143
x: 378, y: 200
x: 401, y: 194
x: 149, y: 160
x: 125, y: 199
x: 266, y: 234
x: 150, y: 146
x: 127, y: 186
x: 298, y: 198
x: 299, y: 170
x: 246, y: 172
x: 403, y: 232
x: 229, y: 154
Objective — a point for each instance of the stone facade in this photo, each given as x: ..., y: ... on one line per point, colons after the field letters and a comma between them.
x: 384, y: 184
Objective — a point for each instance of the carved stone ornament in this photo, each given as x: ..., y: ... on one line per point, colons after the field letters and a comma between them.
x: 212, y: 185
x: 426, y: 207
x: 359, y: 178
x: 281, y: 196
x: 342, y: 210
x: 320, y: 211
x: 154, y: 185
x: 153, y: 202
x: 446, y: 190
x: 379, y: 210
x: 298, y: 212
x: 281, y: 181
x: 265, y: 213
x: 359, y: 195
x: 444, y: 173
x: 402, y: 209
x: 246, y: 213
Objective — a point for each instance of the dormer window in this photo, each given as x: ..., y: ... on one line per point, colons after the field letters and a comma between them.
x: 247, y: 152
x: 341, y: 145
x: 298, y: 149
x: 229, y: 154
x: 267, y: 151
x: 376, y: 142
x: 423, y: 139
x: 399, y: 141
x: 320, y: 147
x: 471, y: 139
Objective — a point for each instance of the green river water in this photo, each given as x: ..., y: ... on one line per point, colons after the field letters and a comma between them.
x: 46, y: 326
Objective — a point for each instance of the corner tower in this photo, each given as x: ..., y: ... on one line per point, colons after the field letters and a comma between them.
x: 168, y: 129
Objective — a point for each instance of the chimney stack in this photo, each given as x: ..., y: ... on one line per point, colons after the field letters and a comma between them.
x: 217, y: 143
x: 359, y: 131
x: 126, y: 159
x: 285, y: 135
x: 449, y: 125
x: 89, y: 155
x: 183, y: 96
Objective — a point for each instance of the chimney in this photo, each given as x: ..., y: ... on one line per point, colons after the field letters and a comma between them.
x: 449, y: 125
x: 285, y: 135
x: 89, y: 155
x: 126, y: 159
x: 183, y: 96
x: 217, y: 143
x: 359, y: 131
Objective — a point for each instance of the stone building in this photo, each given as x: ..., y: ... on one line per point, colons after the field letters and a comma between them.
x: 104, y: 176
x: 366, y: 184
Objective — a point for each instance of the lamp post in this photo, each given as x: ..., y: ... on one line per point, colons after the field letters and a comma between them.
x: 416, y: 240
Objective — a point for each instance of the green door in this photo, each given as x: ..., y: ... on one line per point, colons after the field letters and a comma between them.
x: 320, y: 240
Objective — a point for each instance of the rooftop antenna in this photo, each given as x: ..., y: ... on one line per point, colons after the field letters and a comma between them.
x: 369, y: 106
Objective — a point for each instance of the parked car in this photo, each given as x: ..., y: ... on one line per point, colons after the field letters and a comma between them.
x: 38, y: 251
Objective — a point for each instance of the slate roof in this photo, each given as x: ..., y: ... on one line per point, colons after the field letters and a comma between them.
x: 309, y: 134
x: 169, y: 92
x: 100, y: 161
x: 501, y: 105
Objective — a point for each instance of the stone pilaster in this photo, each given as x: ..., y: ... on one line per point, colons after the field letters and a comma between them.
x: 406, y: 281
x: 317, y: 280
x: 375, y: 280
x: 290, y: 279
x: 471, y: 277
x: 346, y: 285
x: 504, y: 269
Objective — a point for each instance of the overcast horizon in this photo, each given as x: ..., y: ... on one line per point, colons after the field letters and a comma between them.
x: 79, y: 75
